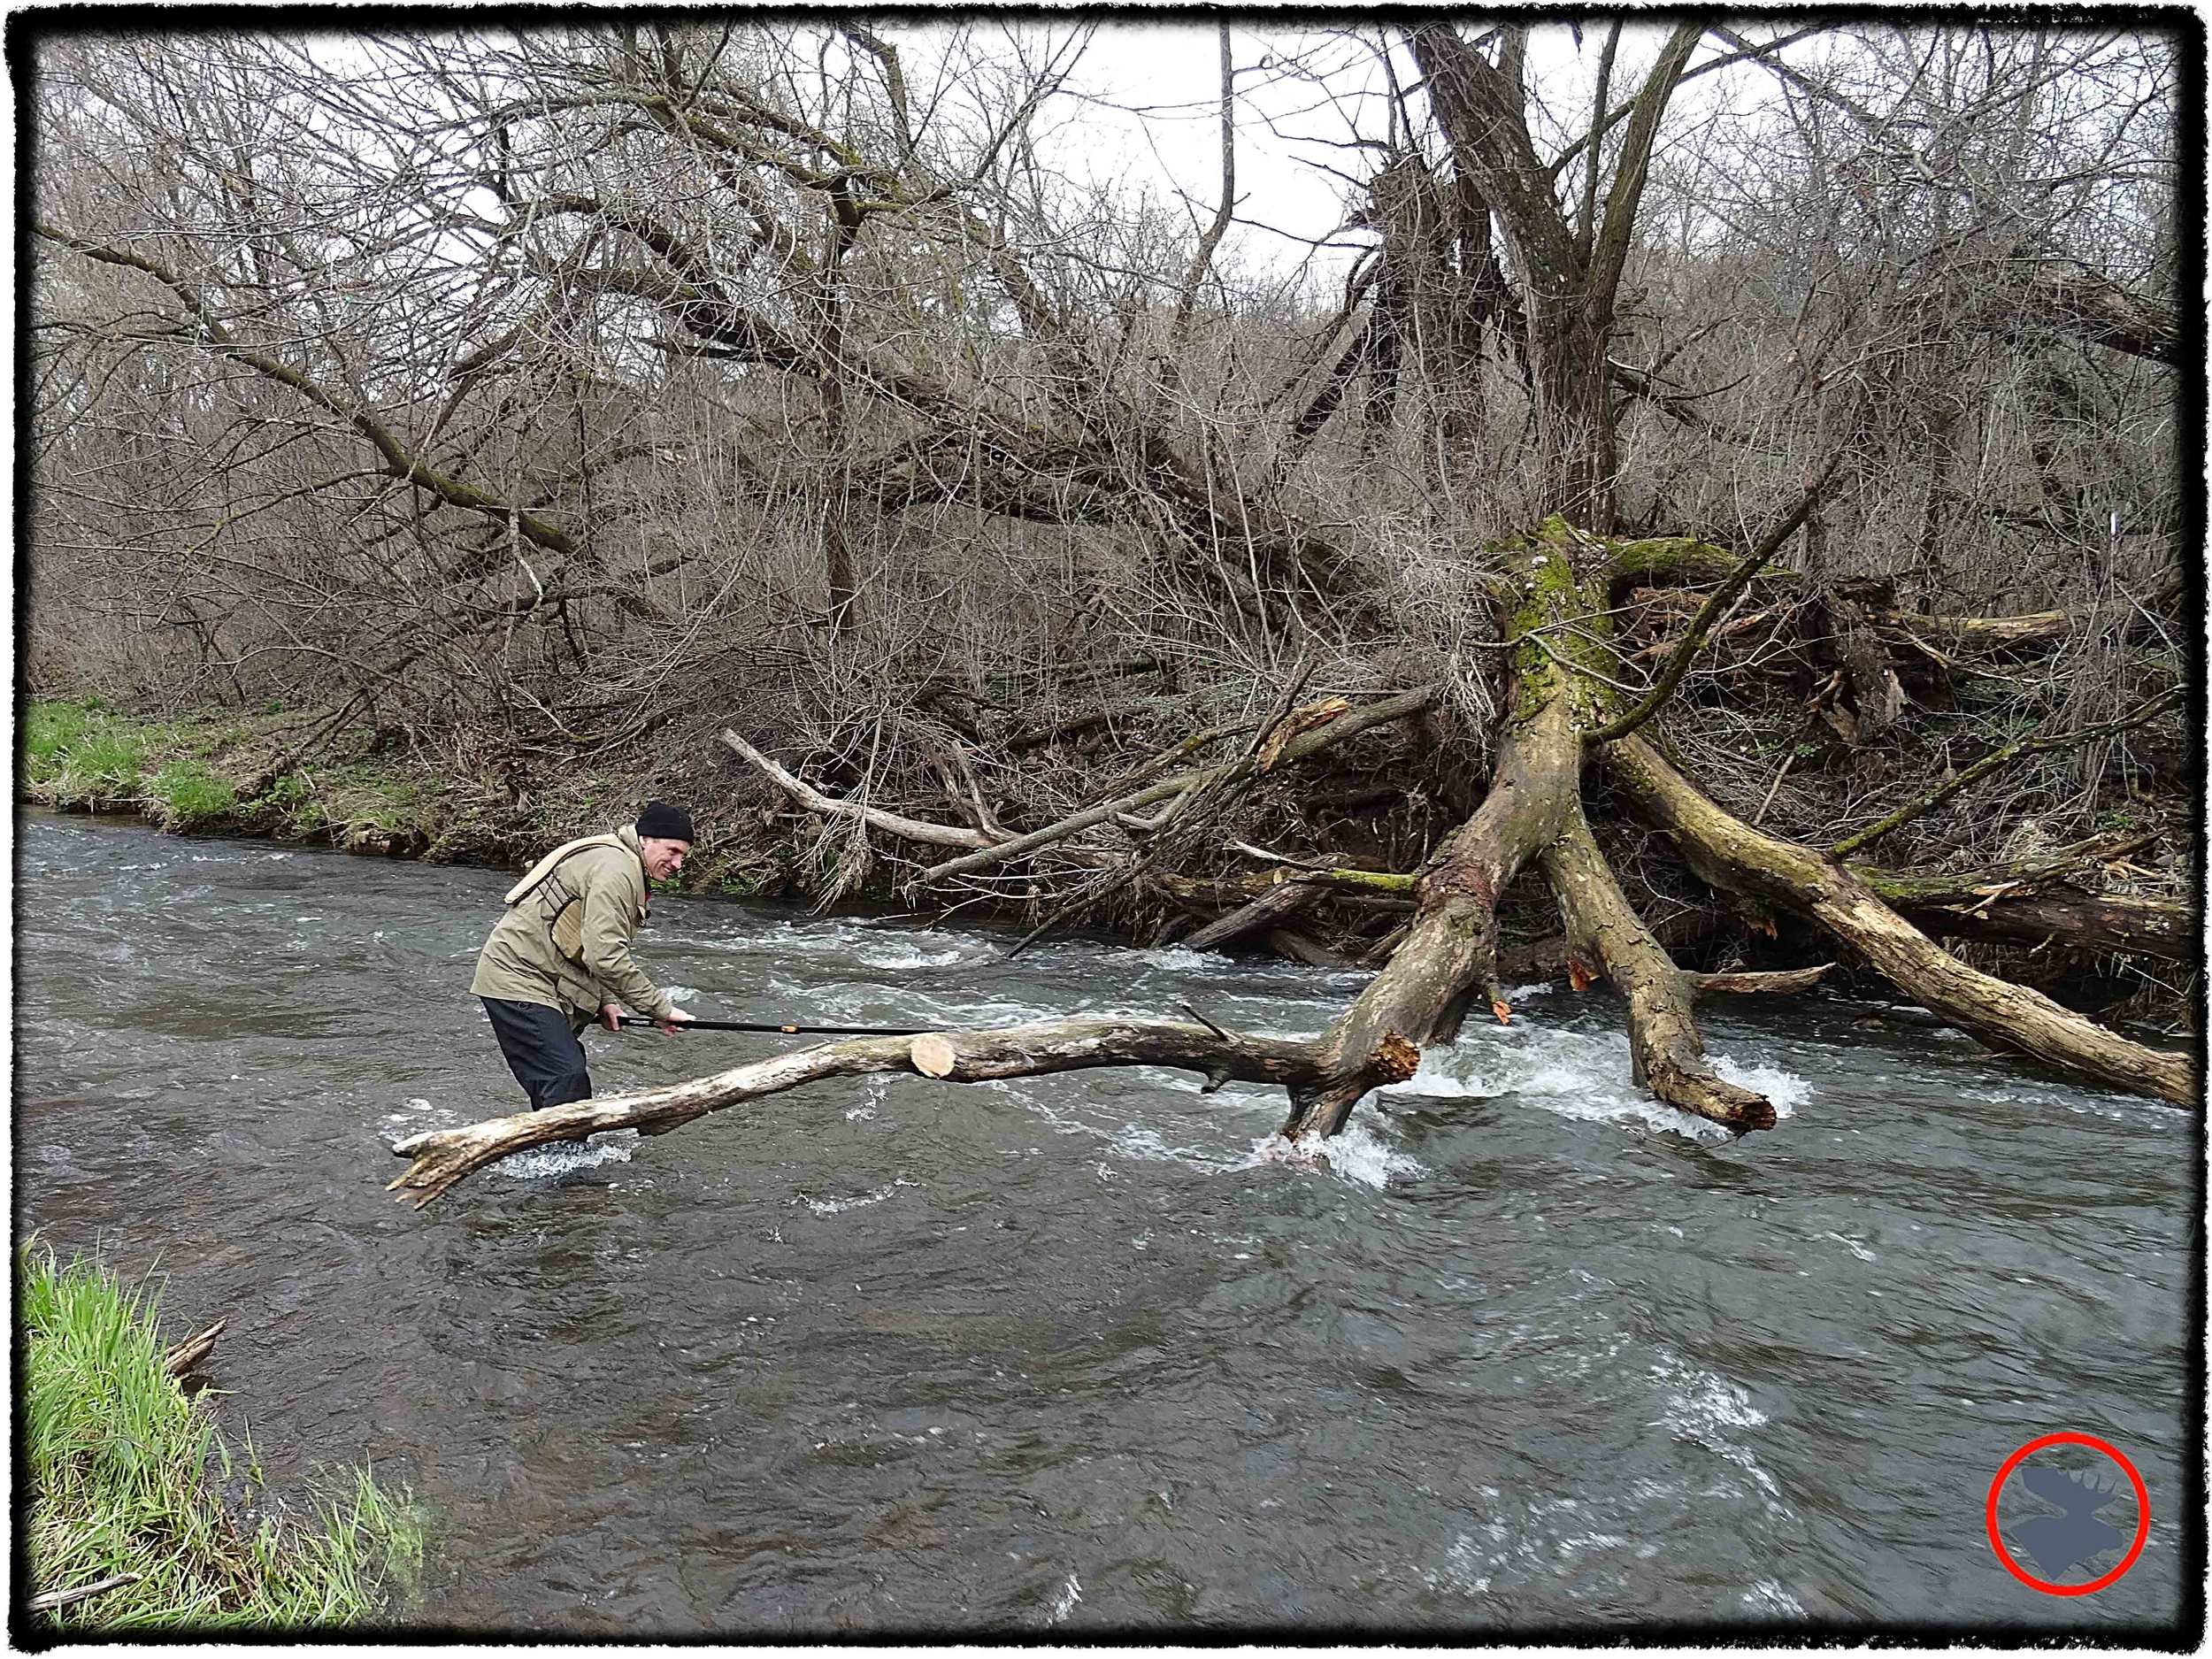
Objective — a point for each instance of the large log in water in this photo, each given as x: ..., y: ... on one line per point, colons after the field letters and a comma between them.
x: 437, y: 1158
x: 1669, y: 1053
x: 1450, y: 951
x: 1732, y: 855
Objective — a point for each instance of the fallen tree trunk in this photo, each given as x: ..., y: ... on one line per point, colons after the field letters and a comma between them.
x: 1276, y: 904
x: 1450, y: 951
x: 438, y: 1159
x: 2113, y: 923
x: 1667, y: 1054
x: 1731, y: 855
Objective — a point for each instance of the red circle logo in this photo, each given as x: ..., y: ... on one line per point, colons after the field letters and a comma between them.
x: 2079, y: 1511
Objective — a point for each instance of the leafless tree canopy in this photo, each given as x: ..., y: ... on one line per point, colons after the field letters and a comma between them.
x: 523, y: 392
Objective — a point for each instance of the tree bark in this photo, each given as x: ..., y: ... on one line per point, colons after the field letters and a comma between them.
x: 1669, y: 1055
x: 1732, y: 855
x: 439, y: 1158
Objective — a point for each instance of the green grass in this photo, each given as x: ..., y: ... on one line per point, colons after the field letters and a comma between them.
x: 191, y: 793
x: 122, y: 1475
x: 364, y: 797
x: 80, y: 751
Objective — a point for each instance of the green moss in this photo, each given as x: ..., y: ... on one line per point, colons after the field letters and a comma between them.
x: 1374, y: 880
x: 1551, y: 593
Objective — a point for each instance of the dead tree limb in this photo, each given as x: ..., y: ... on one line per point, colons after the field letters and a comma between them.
x: 1667, y: 1054
x: 1278, y: 902
x: 1785, y: 983
x: 182, y: 1357
x: 2112, y: 923
x: 438, y: 1159
x: 1299, y: 747
x: 814, y: 800
x: 1731, y: 855
x: 1997, y: 759
x: 1722, y: 595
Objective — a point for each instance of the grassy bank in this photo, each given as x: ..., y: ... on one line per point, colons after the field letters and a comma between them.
x: 124, y: 1475
x: 229, y: 773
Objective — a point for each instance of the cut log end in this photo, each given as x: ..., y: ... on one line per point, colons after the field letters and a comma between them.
x: 931, y: 1056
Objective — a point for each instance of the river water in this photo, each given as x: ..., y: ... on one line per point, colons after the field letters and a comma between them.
x: 1066, y: 1354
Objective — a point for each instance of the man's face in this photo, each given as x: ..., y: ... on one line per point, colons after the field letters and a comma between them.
x: 663, y: 859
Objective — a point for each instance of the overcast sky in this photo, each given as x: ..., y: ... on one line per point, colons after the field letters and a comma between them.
x: 1167, y: 77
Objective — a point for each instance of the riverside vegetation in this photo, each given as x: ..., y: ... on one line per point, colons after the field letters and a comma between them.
x: 142, y: 1516
x: 1715, y: 513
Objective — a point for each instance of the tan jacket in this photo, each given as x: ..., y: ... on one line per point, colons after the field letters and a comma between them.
x: 538, y: 953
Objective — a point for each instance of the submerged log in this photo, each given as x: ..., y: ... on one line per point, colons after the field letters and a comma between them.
x: 1732, y: 855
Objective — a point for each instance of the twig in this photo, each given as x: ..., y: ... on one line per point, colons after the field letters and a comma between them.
x: 1994, y: 760
x: 1717, y: 601
x: 1773, y: 788
x: 46, y: 1601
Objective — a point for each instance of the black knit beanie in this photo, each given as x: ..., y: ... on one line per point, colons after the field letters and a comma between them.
x: 665, y: 822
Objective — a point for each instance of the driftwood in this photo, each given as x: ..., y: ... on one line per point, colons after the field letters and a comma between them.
x: 439, y: 1157
x: 1787, y: 982
x: 179, y: 1360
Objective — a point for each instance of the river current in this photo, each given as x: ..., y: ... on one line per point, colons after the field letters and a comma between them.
x: 1063, y: 1355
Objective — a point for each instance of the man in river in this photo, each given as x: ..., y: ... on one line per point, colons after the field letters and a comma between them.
x: 560, y: 958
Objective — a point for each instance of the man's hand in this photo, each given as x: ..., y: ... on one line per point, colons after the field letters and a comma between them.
x: 675, y: 1017
x: 610, y: 1015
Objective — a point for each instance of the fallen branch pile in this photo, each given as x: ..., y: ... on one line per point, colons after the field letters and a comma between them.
x: 1556, y: 607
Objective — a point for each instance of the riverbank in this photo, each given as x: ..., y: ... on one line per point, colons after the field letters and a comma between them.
x: 296, y: 777
x: 271, y: 774
x: 130, y: 1526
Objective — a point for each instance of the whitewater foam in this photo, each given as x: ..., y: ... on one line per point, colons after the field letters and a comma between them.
x: 838, y: 1206
x: 1785, y: 1089
x: 616, y: 1146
